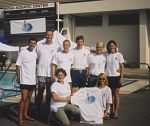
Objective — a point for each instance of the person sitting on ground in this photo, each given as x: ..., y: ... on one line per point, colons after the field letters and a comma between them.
x: 61, y: 95
x: 102, y: 83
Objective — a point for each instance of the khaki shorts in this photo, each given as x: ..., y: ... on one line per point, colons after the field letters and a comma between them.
x: 42, y: 79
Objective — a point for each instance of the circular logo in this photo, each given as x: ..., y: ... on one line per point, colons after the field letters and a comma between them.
x: 27, y: 27
x: 91, y: 99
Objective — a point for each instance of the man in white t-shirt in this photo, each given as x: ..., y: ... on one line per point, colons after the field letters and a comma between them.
x: 90, y: 103
x: 26, y: 77
x: 80, y: 64
x: 63, y: 59
x: 96, y: 64
x: 45, y: 53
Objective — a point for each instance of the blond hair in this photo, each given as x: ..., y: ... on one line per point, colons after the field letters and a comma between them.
x: 102, y: 75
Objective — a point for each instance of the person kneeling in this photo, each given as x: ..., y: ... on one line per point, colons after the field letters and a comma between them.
x: 61, y: 95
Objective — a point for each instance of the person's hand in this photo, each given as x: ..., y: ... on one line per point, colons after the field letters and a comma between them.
x: 120, y: 81
x: 18, y: 80
x: 118, y: 70
x: 53, y: 79
x: 68, y: 98
x: 106, y: 116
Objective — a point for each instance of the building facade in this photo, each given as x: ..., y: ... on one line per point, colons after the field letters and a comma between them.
x: 125, y: 21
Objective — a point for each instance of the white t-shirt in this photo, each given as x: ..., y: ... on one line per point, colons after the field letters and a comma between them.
x: 113, y: 61
x: 64, y: 60
x: 62, y: 90
x: 90, y: 103
x: 80, y: 58
x: 27, y: 63
x: 45, y: 53
x: 106, y: 96
x: 96, y: 63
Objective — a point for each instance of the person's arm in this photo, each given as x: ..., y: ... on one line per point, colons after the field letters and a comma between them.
x: 60, y: 99
x: 87, y: 72
x: 107, y: 107
x: 18, y: 74
x: 107, y: 111
x: 121, y: 70
x: 53, y: 70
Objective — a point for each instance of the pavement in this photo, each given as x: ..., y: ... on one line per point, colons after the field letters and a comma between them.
x: 134, y: 105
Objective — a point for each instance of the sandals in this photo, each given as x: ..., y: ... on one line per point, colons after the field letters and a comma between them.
x: 115, y: 116
x: 106, y: 117
x: 28, y: 118
x: 21, y: 124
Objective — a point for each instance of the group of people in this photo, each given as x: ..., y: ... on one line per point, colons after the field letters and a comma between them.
x: 64, y: 72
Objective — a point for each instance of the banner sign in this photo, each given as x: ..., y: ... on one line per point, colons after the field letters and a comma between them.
x: 32, y: 6
x: 37, y: 25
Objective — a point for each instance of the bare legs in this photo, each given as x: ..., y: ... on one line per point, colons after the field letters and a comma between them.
x: 116, y: 102
x: 24, y: 105
x: 39, y: 98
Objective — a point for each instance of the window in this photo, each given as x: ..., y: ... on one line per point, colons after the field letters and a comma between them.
x: 88, y: 20
x: 123, y: 19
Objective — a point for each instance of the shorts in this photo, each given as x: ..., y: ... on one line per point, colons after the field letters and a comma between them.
x: 27, y: 87
x: 78, y: 78
x: 92, y: 80
x: 114, y: 82
x: 42, y: 79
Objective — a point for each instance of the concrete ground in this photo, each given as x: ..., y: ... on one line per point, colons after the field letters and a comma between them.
x: 134, y: 105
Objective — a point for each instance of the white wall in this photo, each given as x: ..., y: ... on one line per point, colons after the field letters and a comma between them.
x: 104, y: 5
x: 144, y: 43
x: 127, y: 38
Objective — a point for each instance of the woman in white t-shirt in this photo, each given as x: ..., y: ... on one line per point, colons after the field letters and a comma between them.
x: 61, y: 95
x: 102, y: 83
x: 114, y: 71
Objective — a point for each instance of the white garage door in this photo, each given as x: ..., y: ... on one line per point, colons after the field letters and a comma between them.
x: 126, y: 36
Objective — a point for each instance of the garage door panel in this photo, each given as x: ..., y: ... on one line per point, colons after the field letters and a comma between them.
x: 127, y: 38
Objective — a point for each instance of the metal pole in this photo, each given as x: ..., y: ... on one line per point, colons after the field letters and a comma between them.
x: 57, y: 16
x: 149, y: 74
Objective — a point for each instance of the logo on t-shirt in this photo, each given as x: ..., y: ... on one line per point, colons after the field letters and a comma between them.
x: 91, y: 98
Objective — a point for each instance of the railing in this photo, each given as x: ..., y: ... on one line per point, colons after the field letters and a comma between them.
x: 15, y: 87
x: 6, y: 70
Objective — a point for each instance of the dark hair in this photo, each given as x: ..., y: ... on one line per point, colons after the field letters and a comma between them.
x: 32, y: 39
x: 49, y: 30
x: 61, y: 70
x: 66, y: 41
x: 108, y: 44
x: 79, y: 38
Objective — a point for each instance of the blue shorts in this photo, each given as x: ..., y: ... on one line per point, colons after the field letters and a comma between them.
x: 92, y: 80
x: 78, y: 78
